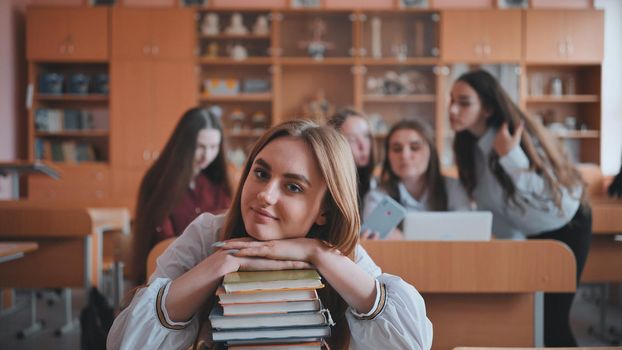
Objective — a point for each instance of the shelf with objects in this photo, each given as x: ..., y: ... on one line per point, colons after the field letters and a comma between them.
x: 69, y: 120
x: 566, y: 99
x: 398, y: 52
x: 236, y: 75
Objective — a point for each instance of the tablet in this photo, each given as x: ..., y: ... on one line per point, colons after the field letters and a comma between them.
x: 385, y: 217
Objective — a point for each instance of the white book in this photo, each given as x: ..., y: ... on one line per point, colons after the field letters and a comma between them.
x: 291, y: 319
x: 272, y: 333
x: 265, y: 296
x: 271, y: 308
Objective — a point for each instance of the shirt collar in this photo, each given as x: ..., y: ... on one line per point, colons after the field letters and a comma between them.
x: 485, y: 141
x: 409, y: 201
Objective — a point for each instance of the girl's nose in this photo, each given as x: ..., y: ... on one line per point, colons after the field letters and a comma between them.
x: 268, y: 195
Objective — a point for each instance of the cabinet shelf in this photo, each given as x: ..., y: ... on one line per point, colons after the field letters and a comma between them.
x: 400, y: 98
x: 86, y: 133
x: 267, y: 97
x: 563, y: 99
x: 235, y: 37
x: 244, y: 133
x: 230, y: 62
x: 577, y: 134
x: 306, y: 61
x: 395, y: 62
x: 72, y: 97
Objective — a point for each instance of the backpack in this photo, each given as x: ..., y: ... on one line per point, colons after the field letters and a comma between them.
x: 95, y: 321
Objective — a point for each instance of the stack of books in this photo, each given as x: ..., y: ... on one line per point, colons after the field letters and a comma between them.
x: 270, y: 309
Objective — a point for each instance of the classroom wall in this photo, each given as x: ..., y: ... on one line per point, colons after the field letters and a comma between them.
x: 13, y: 70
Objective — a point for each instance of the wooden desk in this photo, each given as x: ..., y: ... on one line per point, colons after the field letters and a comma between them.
x: 480, y: 293
x: 605, y: 256
x: 15, y: 250
x: 70, y: 242
x: 18, y: 167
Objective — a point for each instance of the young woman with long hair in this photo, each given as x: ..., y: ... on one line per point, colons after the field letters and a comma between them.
x: 190, y: 177
x: 295, y: 208
x: 411, y: 173
x: 512, y: 166
x: 356, y: 129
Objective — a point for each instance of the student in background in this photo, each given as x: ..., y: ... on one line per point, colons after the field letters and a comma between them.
x: 411, y: 174
x: 615, y: 188
x: 356, y: 129
x: 189, y: 178
x: 512, y: 166
x: 295, y: 207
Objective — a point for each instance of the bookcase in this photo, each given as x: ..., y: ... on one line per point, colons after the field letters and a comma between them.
x: 390, y: 62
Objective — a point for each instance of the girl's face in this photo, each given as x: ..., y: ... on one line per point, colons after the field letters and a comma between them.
x: 283, y: 193
x: 356, y: 131
x: 208, y: 143
x: 466, y: 111
x: 409, y: 154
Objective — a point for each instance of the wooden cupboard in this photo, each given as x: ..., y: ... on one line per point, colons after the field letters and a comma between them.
x: 153, y: 34
x: 557, y: 36
x: 67, y: 34
x: 159, y: 61
x: 481, y: 35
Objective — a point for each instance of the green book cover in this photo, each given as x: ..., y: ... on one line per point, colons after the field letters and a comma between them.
x: 267, y: 276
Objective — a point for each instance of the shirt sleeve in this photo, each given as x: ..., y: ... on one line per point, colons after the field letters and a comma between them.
x: 144, y: 324
x: 399, y: 321
x: 533, y: 190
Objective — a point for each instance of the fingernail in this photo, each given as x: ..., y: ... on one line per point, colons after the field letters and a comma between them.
x: 218, y: 244
x: 232, y: 251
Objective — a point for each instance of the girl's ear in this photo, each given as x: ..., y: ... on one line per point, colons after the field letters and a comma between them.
x: 320, y: 220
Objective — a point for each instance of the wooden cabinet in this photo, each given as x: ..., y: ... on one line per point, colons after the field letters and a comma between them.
x: 564, y: 36
x: 148, y: 34
x: 81, y: 184
x: 67, y: 34
x: 481, y: 35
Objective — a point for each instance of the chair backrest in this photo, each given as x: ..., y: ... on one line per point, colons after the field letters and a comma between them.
x: 155, y: 252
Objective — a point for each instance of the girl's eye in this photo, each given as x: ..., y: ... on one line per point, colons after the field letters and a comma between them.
x: 294, y: 188
x: 464, y: 103
x: 260, y: 173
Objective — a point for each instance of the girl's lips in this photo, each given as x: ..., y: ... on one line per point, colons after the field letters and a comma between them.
x: 263, y: 213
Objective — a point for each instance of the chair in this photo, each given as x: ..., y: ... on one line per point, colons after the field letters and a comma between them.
x: 155, y: 252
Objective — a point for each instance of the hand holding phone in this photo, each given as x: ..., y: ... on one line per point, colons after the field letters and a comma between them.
x: 385, y: 217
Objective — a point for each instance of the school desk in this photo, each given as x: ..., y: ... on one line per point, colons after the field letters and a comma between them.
x: 481, y: 293
x: 18, y: 167
x: 15, y: 250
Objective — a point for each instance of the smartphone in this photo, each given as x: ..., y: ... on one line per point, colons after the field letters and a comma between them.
x: 385, y: 217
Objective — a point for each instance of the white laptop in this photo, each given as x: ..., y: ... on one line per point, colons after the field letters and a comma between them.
x: 448, y: 226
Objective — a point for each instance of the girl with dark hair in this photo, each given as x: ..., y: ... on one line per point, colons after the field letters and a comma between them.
x: 295, y: 207
x: 411, y: 173
x: 512, y: 166
x: 190, y: 177
x: 356, y: 129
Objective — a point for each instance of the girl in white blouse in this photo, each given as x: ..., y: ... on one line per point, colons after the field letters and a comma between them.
x: 512, y: 166
x: 411, y: 174
x: 295, y: 208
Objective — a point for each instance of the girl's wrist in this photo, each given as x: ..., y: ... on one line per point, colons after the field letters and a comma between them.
x: 319, y: 251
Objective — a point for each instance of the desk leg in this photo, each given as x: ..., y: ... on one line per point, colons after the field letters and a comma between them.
x: 538, y: 319
x: 35, y: 325
x: 88, y: 266
x: 70, y: 322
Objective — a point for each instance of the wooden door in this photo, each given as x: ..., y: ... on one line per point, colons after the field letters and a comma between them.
x: 131, y: 127
x: 46, y: 33
x: 131, y: 33
x: 173, y: 33
x: 461, y: 36
x: 564, y: 36
x: 585, y: 33
x: 175, y: 91
x: 502, y: 36
x: 88, y: 34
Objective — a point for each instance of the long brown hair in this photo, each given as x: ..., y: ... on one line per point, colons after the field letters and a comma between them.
x: 166, y: 180
x: 552, y: 163
x: 341, y: 230
x: 364, y: 173
x: 437, y: 194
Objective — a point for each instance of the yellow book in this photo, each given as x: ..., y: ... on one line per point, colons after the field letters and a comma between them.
x: 271, y: 280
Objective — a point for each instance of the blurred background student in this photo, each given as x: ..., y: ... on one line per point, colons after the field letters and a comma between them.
x: 411, y: 174
x: 356, y: 129
x: 190, y: 177
x: 512, y: 166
